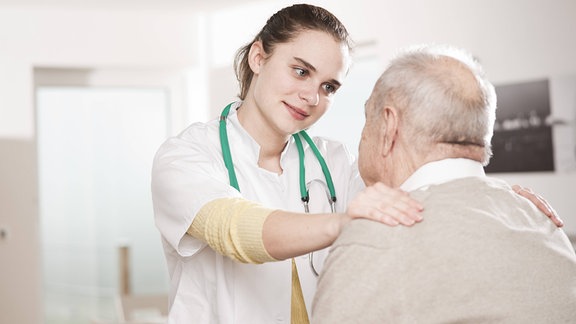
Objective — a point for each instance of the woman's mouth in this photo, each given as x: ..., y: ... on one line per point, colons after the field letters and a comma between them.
x: 296, y: 113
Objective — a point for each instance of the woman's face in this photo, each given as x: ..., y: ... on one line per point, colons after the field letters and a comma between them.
x: 294, y: 85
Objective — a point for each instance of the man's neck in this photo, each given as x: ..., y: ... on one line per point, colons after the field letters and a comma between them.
x: 401, y: 167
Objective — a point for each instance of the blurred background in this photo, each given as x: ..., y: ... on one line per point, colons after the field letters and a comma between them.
x: 90, y: 88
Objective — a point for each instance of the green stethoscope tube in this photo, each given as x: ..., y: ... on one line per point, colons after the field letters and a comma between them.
x: 303, y: 191
x: 227, y: 156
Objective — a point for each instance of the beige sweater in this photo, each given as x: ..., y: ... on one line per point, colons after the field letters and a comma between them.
x: 482, y: 255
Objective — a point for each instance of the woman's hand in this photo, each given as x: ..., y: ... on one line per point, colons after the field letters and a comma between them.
x: 540, y: 202
x: 386, y: 205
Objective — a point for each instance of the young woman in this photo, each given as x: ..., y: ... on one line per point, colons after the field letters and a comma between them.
x: 232, y: 196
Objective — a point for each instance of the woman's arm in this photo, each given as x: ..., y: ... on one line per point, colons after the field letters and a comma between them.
x: 247, y: 232
x: 287, y: 234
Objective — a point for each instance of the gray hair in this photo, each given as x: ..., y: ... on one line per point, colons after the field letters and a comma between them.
x: 442, y: 95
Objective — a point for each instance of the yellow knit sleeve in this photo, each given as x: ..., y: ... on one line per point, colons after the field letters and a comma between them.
x: 233, y: 227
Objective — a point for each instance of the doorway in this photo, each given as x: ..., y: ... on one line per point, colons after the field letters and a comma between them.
x: 95, y: 151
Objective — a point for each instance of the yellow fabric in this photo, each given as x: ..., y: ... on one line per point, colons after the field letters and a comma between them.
x: 233, y: 227
x: 298, y: 313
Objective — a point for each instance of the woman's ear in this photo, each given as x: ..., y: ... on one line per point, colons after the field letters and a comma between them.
x: 256, y: 56
x: 389, y: 129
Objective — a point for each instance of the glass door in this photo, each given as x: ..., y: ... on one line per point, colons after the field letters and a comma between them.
x: 95, y: 151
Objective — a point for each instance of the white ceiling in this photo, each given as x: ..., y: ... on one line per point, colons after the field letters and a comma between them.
x: 187, y: 5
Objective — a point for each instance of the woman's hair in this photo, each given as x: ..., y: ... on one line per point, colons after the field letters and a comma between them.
x: 284, y: 26
x: 441, y: 104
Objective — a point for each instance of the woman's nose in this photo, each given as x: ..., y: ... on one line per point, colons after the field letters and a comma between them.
x: 310, y: 95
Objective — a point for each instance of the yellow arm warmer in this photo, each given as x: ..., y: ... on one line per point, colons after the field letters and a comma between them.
x: 233, y: 227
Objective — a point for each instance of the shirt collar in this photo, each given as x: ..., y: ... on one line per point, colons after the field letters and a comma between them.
x: 247, y: 140
x: 442, y: 171
x: 244, y: 140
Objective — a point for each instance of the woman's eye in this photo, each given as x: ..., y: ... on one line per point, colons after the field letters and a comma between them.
x: 329, y: 88
x: 301, y: 72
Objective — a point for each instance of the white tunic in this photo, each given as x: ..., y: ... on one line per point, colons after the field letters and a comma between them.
x: 188, y: 172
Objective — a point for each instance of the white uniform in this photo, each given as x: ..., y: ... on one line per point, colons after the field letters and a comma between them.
x: 188, y: 172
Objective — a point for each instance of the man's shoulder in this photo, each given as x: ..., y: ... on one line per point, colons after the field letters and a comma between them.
x: 462, y: 191
x: 369, y: 233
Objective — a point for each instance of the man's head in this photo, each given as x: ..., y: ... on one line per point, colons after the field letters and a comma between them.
x: 431, y: 103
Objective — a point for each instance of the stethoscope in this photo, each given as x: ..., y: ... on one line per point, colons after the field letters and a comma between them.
x: 304, y: 187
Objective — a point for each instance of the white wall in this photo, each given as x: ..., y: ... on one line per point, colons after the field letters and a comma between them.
x: 514, y: 39
x: 31, y: 37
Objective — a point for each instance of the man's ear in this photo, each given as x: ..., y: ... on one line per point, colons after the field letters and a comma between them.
x: 390, y: 129
x: 256, y: 56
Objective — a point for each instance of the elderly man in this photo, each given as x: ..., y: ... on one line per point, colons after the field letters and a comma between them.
x: 482, y: 253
